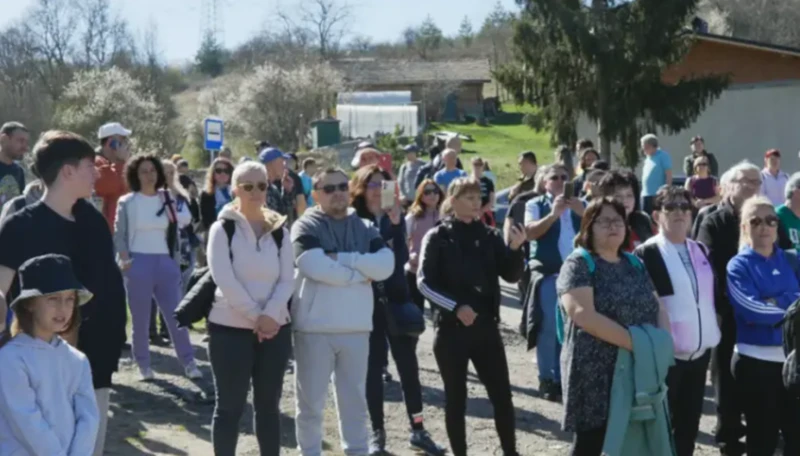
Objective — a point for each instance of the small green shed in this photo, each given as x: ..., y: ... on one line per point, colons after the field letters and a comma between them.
x: 325, y: 132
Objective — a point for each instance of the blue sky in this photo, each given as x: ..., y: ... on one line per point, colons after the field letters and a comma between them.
x: 178, y: 21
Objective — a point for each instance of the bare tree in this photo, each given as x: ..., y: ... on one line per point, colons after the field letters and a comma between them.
x: 747, y: 19
x: 326, y: 22
x: 52, y: 26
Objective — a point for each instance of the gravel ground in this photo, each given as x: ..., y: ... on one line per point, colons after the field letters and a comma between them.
x: 172, y: 415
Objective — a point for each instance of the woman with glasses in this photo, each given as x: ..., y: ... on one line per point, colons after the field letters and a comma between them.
x: 762, y: 284
x: 551, y: 222
x: 365, y: 197
x: 249, y: 332
x: 600, y: 304
x: 217, y: 192
x: 461, y: 263
x: 684, y: 280
x: 702, y: 185
x: 422, y: 216
x: 146, y: 239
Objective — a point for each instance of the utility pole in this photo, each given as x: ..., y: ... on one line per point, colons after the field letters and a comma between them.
x: 211, y: 21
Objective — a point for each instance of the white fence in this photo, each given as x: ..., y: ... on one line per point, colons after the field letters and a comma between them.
x: 365, y: 120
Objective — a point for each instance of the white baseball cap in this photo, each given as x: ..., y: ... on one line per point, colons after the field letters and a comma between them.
x: 112, y: 129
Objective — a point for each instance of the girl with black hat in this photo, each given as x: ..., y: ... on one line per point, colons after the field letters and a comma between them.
x: 59, y: 415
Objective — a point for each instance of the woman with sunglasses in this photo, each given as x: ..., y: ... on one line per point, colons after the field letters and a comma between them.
x: 684, y: 280
x: 146, y: 240
x: 217, y: 192
x: 422, y: 216
x: 702, y: 185
x: 365, y: 197
x: 249, y: 332
x: 762, y: 284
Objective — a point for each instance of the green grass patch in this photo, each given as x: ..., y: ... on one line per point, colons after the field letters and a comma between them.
x: 501, y: 142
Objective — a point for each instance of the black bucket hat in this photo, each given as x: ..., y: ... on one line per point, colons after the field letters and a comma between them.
x: 48, y: 274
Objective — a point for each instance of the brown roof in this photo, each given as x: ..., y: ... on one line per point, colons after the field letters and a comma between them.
x: 365, y: 72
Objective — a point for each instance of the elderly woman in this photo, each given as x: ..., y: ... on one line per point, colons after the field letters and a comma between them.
x: 762, y: 284
x: 146, y: 236
x: 600, y: 305
x: 684, y: 279
x: 789, y: 212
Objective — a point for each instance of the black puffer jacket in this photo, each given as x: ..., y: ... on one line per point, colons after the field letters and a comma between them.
x: 461, y: 263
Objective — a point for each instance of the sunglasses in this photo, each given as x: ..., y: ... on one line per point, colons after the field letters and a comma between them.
x: 373, y: 185
x: 672, y: 207
x: 333, y: 188
x: 429, y: 191
x: 701, y: 165
x: 261, y: 186
x: 770, y: 221
x: 223, y: 171
x: 561, y: 177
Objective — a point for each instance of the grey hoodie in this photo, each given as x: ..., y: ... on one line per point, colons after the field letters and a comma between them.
x: 335, y: 295
x: 33, y: 192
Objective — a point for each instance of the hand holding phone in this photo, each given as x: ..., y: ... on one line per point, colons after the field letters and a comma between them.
x: 388, y: 194
x: 569, y: 190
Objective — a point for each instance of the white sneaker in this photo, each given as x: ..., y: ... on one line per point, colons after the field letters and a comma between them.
x: 193, y: 372
x: 147, y: 374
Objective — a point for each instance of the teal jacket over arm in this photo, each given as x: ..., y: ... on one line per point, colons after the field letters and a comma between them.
x: 638, y: 415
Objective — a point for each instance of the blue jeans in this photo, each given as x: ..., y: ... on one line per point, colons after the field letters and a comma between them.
x: 548, y: 350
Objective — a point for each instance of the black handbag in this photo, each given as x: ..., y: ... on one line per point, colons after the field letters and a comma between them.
x: 404, y: 319
x: 196, y: 304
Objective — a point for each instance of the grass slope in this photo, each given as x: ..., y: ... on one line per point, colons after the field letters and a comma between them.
x: 501, y: 142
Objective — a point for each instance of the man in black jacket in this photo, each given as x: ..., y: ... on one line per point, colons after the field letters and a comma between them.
x: 719, y: 231
x: 65, y: 223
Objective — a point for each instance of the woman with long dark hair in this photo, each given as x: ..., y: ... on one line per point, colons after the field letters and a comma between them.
x: 365, y: 197
x: 461, y: 262
x: 146, y: 239
x: 217, y: 191
x: 422, y: 216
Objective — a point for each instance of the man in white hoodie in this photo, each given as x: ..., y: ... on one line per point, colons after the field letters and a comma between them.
x: 338, y: 255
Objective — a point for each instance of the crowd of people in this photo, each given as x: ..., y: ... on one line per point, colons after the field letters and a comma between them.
x: 317, y: 273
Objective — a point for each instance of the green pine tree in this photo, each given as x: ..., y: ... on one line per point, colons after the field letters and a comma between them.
x: 605, y: 59
x: 210, y: 57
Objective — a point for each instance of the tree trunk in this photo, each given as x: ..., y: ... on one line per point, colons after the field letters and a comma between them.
x: 605, y: 143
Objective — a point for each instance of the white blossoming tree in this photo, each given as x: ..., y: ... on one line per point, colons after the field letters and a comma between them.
x: 277, y: 104
x: 95, y: 97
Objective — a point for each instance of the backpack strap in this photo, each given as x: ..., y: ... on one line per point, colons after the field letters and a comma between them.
x: 230, y: 228
x: 587, y: 257
x: 634, y: 260
x: 277, y: 236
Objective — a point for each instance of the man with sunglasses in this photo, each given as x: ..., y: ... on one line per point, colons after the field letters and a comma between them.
x: 110, y: 166
x: 337, y: 255
x: 551, y: 221
x: 719, y: 231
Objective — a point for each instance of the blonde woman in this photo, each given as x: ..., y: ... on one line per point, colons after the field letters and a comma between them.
x: 762, y: 284
x: 250, y: 337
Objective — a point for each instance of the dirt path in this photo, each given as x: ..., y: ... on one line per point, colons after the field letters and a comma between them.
x: 172, y: 416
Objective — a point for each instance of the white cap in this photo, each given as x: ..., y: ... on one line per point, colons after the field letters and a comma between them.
x: 112, y: 129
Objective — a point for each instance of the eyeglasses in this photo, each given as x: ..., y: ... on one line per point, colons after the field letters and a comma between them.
x: 607, y: 223
x: 333, y: 188
x: 373, y: 185
x: 248, y: 187
x: 701, y: 165
x: 429, y: 191
x: 555, y: 177
x: 750, y: 182
x: 770, y: 221
x: 222, y: 171
x: 683, y: 206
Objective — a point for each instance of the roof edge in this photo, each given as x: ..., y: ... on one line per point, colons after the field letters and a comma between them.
x: 751, y: 44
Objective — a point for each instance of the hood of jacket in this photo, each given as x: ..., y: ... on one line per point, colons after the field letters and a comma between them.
x: 272, y: 220
x: 34, y: 190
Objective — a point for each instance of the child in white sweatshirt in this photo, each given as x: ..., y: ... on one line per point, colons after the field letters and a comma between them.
x: 47, y: 401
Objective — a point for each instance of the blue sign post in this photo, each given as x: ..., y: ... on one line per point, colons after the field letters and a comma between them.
x: 213, y: 134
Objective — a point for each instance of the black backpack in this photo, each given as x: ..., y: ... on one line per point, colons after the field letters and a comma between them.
x: 791, y: 339
x: 197, y: 303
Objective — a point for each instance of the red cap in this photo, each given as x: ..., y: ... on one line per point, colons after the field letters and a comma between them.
x: 772, y: 153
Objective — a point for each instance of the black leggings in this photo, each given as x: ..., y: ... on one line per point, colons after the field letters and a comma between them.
x: 404, y: 352
x: 686, y: 383
x: 454, y: 347
x: 768, y: 407
x: 588, y: 443
x: 237, y: 358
